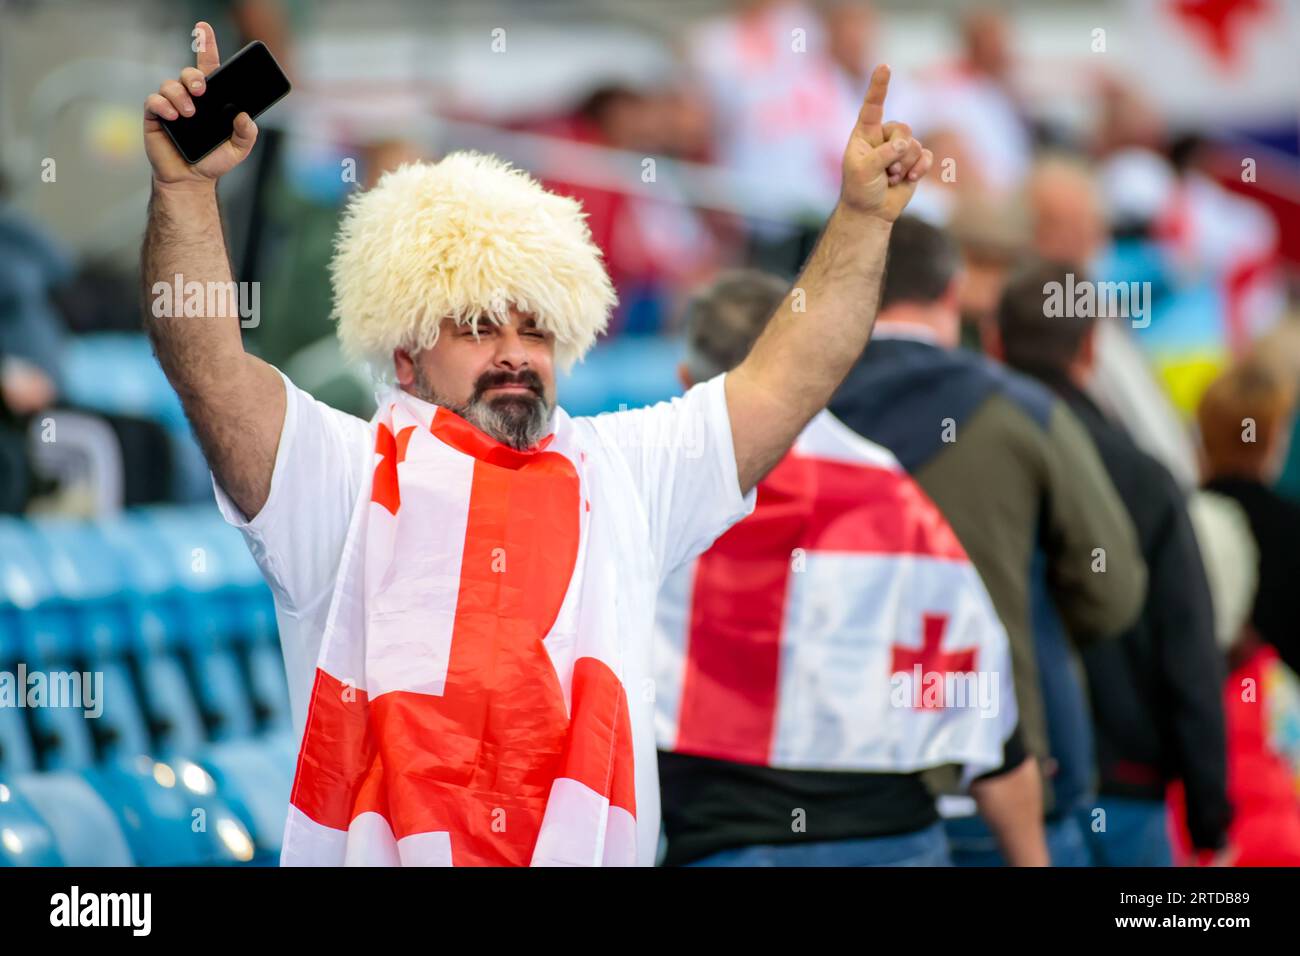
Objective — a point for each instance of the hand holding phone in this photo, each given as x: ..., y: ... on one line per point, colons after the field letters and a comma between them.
x: 199, y: 127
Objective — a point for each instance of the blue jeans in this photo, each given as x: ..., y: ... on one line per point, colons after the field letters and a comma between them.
x: 927, y: 847
x: 1136, y: 833
x: 973, y: 843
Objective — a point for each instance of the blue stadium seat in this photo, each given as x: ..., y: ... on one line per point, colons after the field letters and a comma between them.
x: 16, y: 753
x: 269, y: 687
x: 171, y: 813
x: 228, y: 598
x: 208, y: 589
x: 116, y: 373
x: 628, y: 372
x: 39, y: 633
x: 255, y: 628
x: 81, y: 615
x: 77, y: 821
x: 20, y: 591
x: 169, y: 609
x: 220, y: 595
x: 256, y: 781
x: 25, y: 838
x: 84, y: 828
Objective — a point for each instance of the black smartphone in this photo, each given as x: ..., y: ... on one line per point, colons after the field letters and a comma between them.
x: 249, y: 82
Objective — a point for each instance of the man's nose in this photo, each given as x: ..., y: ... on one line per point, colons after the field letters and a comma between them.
x: 510, y: 350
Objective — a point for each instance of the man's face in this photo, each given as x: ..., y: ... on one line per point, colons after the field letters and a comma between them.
x: 1068, y: 225
x: 501, y: 379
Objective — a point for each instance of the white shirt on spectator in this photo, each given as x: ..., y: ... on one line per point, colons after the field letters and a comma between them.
x: 673, y: 463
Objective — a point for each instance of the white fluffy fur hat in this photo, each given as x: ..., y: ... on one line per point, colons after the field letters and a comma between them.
x: 464, y: 237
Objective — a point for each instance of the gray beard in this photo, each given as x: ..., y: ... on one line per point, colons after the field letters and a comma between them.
x: 519, y: 421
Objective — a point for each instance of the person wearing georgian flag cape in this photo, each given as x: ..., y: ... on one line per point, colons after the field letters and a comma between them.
x: 465, y: 584
x: 834, y: 656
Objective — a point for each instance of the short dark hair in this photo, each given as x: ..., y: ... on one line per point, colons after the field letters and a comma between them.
x: 1034, y: 338
x: 921, y: 264
x: 725, y: 319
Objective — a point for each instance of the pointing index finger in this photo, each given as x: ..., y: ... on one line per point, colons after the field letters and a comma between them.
x: 205, y: 47
x: 872, y: 114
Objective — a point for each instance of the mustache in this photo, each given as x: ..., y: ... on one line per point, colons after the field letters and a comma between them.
x: 528, y: 378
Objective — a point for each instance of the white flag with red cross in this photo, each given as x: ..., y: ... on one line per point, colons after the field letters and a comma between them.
x: 841, y: 626
x: 468, y: 707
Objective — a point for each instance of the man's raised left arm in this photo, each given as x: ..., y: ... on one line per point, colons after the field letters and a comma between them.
x: 824, y: 323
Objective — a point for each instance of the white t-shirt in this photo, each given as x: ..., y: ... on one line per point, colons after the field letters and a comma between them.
x: 674, y: 460
x: 777, y: 109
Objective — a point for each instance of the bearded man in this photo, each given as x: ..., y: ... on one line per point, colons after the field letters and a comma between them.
x: 465, y: 585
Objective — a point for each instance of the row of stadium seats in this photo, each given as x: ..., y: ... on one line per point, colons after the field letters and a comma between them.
x: 117, y: 373
x: 188, y: 757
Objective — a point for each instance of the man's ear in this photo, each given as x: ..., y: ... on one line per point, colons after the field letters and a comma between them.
x: 404, y: 367
x: 1279, y: 448
x: 684, y: 376
x: 991, y: 338
x: 1087, y: 357
x: 952, y: 295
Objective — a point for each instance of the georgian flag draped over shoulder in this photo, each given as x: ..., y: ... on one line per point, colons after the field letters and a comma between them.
x: 840, y: 626
x: 468, y: 707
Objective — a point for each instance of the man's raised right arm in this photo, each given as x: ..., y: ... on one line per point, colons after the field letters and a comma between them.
x: 235, y: 401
